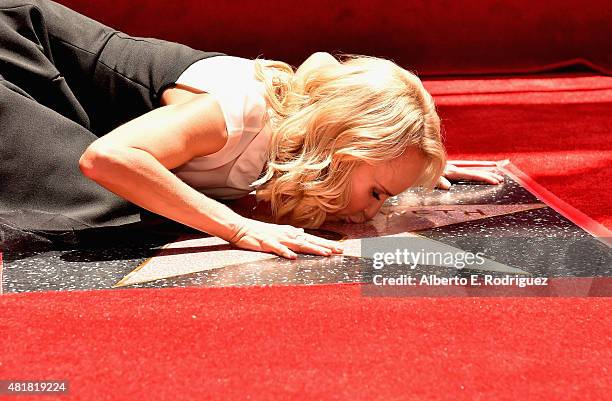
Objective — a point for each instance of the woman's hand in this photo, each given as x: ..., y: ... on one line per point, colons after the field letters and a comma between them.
x: 486, y: 172
x: 282, y: 240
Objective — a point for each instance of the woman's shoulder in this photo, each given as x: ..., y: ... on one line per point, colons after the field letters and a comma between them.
x: 231, y: 67
x: 231, y: 81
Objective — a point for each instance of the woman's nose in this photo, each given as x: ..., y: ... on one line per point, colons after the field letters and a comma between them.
x: 371, y: 211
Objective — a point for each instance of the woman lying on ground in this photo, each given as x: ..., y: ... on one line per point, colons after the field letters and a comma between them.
x: 117, y: 124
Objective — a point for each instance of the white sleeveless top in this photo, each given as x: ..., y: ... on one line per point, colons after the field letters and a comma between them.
x: 229, y: 172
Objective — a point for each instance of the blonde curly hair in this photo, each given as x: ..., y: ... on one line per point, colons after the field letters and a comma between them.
x: 362, y: 109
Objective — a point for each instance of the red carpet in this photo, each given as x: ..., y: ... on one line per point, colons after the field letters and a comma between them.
x: 556, y: 128
x: 328, y: 342
x: 307, y: 343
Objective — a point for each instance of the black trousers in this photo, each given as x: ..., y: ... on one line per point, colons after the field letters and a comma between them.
x: 66, y: 80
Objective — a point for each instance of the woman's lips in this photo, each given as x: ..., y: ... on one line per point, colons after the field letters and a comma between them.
x: 351, y: 219
x: 356, y: 220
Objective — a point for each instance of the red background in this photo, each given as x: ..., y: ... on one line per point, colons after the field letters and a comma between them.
x: 328, y: 342
x: 429, y: 37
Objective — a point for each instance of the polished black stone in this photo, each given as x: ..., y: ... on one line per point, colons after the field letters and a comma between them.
x: 539, y: 241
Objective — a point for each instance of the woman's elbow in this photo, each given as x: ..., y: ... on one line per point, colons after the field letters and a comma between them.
x: 94, y: 161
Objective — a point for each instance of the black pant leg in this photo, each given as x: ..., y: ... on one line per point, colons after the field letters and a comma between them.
x: 27, y: 59
x: 85, y: 70
x: 67, y: 79
x: 130, y: 76
x: 115, y: 76
x: 42, y: 185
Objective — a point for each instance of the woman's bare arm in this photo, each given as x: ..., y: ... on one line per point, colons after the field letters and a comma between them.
x: 134, y: 160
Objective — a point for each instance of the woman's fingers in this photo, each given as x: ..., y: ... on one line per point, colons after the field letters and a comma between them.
x: 306, y: 243
x: 308, y: 247
x: 274, y: 246
x: 283, y: 240
x: 443, y: 183
x: 331, y: 245
x: 489, y: 175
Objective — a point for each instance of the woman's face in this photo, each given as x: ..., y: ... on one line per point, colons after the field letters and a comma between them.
x: 371, y: 185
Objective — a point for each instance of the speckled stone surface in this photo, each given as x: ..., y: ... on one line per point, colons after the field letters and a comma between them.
x: 193, y: 255
x: 507, y: 221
